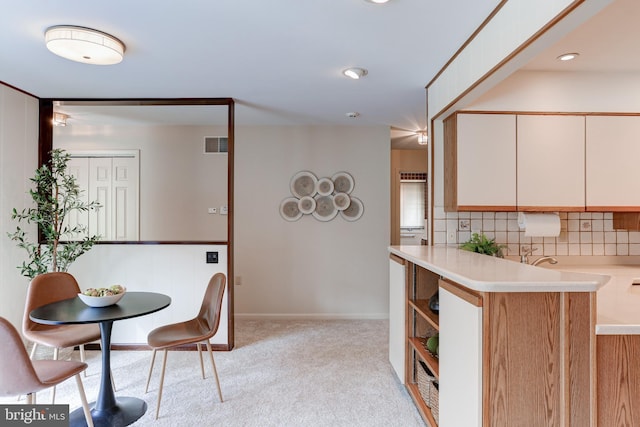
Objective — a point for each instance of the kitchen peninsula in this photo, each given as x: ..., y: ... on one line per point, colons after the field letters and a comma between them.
x: 517, y: 343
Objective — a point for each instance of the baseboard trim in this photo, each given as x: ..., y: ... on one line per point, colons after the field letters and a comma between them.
x: 312, y: 316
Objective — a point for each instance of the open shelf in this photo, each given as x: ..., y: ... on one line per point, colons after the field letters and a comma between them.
x: 422, y: 307
x: 431, y: 361
x: 424, y: 410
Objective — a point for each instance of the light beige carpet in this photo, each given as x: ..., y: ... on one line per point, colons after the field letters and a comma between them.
x: 281, y: 373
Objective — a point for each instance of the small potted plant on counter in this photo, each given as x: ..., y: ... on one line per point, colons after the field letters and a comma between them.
x: 483, y: 245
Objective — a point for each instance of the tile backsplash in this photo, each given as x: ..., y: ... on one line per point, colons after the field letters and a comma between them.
x: 583, y: 233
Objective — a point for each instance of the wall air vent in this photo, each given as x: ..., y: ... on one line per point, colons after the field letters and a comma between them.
x: 216, y: 144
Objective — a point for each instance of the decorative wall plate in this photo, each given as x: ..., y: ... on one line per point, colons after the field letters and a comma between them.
x: 307, y: 204
x: 325, y: 210
x: 341, y: 201
x: 325, y: 186
x: 303, y: 184
x: 289, y: 209
x: 342, y: 182
x: 354, y: 211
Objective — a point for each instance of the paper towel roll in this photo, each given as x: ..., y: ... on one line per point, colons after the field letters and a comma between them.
x: 539, y: 224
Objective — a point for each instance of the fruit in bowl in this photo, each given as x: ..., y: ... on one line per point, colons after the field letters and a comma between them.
x: 102, y: 297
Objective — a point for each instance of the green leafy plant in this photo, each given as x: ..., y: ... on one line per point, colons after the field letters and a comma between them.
x: 56, y: 195
x: 483, y: 245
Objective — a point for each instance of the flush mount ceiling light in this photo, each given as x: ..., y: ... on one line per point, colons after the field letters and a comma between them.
x: 60, y: 119
x: 355, y: 73
x: 84, y: 45
x: 568, y: 56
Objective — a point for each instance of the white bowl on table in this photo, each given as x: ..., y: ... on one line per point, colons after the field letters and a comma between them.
x: 101, y: 301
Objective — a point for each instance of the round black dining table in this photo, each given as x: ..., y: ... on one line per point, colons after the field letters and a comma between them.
x: 107, y: 410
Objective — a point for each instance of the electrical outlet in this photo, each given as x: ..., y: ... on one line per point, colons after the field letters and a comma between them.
x: 585, y: 225
x: 464, y: 225
x: 212, y: 210
x: 238, y: 280
x: 452, y: 236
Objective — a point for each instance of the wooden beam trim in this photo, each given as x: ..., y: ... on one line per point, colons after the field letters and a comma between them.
x: 396, y: 258
x: 472, y: 297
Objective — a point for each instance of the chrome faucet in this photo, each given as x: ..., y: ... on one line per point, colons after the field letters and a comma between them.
x: 549, y: 259
x: 526, y: 251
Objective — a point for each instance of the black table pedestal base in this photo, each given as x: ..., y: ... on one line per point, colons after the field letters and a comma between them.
x: 126, y: 411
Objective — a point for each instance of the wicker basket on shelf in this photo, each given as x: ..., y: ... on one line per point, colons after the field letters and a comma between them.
x: 425, y: 382
x: 434, y: 397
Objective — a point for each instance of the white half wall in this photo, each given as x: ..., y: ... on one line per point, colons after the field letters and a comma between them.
x: 308, y: 268
x: 179, y: 271
x: 18, y: 161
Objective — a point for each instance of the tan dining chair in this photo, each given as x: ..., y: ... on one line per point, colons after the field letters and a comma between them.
x: 195, y: 331
x: 19, y: 375
x: 47, y: 288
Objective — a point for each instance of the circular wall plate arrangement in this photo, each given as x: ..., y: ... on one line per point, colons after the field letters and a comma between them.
x: 354, y: 211
x: 289, y: 209
x: 342, y: 182
x: 322, y: 198
x: 325, y: 186
x: 307, y: 205
x: 325, y: 210
x: 304, y: 184
x: 341, y: 201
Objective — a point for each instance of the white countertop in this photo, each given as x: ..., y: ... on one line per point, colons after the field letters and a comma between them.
x: 489, y: 274
x: 618, y: 303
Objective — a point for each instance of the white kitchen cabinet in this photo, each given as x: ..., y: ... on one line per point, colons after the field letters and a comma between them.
x: 612, y: 153
x: 486, y: 161
x: 551, y: 162
x: 460, y: 360
x: 397, y: 310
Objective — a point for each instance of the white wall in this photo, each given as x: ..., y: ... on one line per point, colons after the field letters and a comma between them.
x: 179, y: 271
x: 178, y: 181
x: 18, y: 160
x: 308, y: 268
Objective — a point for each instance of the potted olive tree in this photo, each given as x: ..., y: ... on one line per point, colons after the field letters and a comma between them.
x: 55, y: 195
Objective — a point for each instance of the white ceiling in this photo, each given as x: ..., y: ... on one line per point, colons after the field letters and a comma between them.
x: 281, y: 60
x: 608, y: 42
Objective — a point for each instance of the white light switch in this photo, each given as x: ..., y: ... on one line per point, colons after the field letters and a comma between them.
x: 213, y: 210
x: 224, y: 210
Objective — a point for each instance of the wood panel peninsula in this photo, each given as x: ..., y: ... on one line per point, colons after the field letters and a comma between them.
x: 517, y: 343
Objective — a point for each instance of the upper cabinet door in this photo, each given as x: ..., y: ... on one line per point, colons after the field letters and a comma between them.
x: 551, y: 162
x: 486, y: 161
x: 613, y: 150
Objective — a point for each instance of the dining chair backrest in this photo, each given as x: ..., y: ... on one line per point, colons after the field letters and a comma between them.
x: 209, y: 315
x: 17, y: 375
x: 47, y: 288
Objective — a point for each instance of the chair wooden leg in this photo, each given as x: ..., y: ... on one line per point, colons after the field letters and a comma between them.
x: 215, y: 371
x: 153, y: 359
x: 82, y: 358
x: 201, y: 362
x: 33, y: 351
x: 83, y: 398
x: 56, y: 352
x: 164, y: 365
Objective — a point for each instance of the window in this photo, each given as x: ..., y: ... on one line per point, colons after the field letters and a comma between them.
x: 412, y: 192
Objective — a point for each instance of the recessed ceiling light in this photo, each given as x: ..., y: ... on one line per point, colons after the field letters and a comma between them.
x: 568, y: 56
x: 377, y: 1
x: 84, y: 45
x: 355, y: 73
